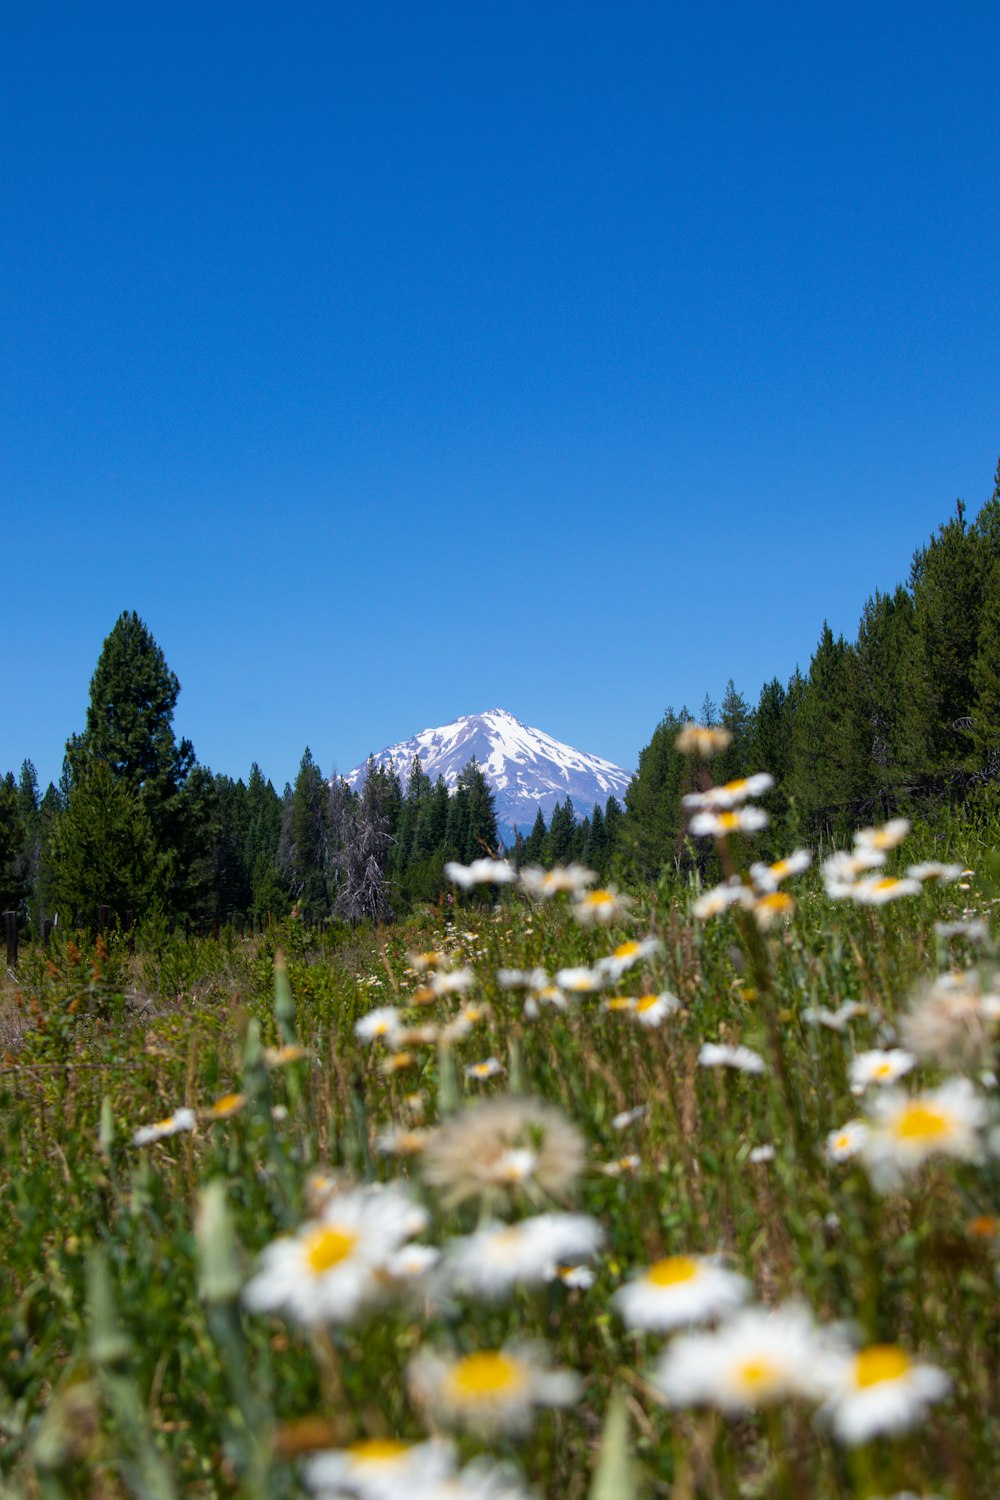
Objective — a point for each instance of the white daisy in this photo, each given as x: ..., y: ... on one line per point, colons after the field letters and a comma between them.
x: 756, y: 1358
x: 703, y: 740
x: 849, y: 1140
x: 374, y: 1467
x: 879, y: 1067
x: 488, y: 1068
x: 719, y: 824
x: 878, y: 1390
x: 932, y: 870
x: 732, y: 793
x: 498, y: 1257
x: 480, y: 872
x: 331, y: 1271
x: 572, y: 880
x: 627, y: 955
x: 889, y: 836
x: 906, y: 1131
x: 451, y: 981
x: 834, y: 1020
x: 768, y: 877
x: 721, y: 897
x: 580, y: 981
x: 677, y: 1290
x: 380, y: 1024
x: 744, y: 1059
x: 653, y: 1010
x: 491, y: 1391
x: 522, y: 979
x: 600, y: 908
x: 878, y: 890
x: 180, y: 1120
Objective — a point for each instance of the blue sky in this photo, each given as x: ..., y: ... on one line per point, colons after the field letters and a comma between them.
x: 399, y: 362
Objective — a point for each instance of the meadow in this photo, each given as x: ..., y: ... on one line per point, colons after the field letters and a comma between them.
x: 548, y: 1191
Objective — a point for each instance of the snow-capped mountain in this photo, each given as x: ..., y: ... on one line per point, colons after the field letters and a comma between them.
x: 526, y: 768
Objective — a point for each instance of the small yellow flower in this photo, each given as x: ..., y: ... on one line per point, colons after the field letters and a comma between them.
x: 224, y: 1108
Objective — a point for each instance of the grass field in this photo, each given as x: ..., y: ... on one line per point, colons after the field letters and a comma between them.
x: 610, y: 1263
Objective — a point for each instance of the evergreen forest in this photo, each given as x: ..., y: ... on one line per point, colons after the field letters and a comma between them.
x: 902, y: 719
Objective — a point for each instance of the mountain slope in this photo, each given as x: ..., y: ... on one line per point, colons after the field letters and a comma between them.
x: 526, y: 768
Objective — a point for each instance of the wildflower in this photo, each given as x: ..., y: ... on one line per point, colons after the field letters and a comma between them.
x: 877, y: 890
x: 411, y: 1263
x: 501, y: 1144
x: 769, y: 877
x: 721, y: 897
x: 732, y: 793
x: 653, y: 1010
x: 753, y: 1360
x: 842, y: 869
x: 452, y: 981
x: 280, y: 1057
x: 879, y: 1067
x: 719, y: 825
x: 703, y: 740
x: 491, y: 1391
x: 569, y: 879
x: 549, y: 994
x: 628, y: 1117
x: 773, y: 907
x: 907, y: 1130
x: 848, y: 1141
x: 226, y: 1107
x: 180, y: 1120
x: 378, y: 1025
x: 577, y: 1278
x: 396, y: 1062
x: 488, y: 1068
x: 625, y: 1166
x: 398, y: 1142
x: 880, y: 1389
x: 580, y: 981
x: 498, y: 1257
x: 975, y: 930
x: 952, y: 1023
x: 480, y: 872
x: 744, y: 1059
x: 522, y: 979
x: 627, y: 955
x: 834, y: 1020
x: 761, y: 1155
x: 618, y: 1003
x: 932, y: 870
x: 374, y: 1467
x: 889, y: 836
x: 600, y: 908
x: 431, y: 958
x: 680, y: 1289
x: 330, y: 1271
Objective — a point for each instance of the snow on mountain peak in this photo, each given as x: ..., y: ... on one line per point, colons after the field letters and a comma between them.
x: 526, y: 767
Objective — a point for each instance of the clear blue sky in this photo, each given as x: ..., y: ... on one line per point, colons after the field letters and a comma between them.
x: 396, y: 362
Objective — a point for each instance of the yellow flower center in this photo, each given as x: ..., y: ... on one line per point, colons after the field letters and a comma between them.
x: 327, y: 1246
x: 164, y: 1124
x: 376, y: 1450
x: 227, y: 1105
x: 627, y: 950
x: 883, y: 1070
x: 728, y: 821
x: 620, y: 1002
x: 887, y: 883
x: 597, y: 898
x: 480, y: 1377
x: 880, y: 1362
x: 921, y: 1122
x: 776, y: 901
x: 735, y: 786
x: 781, y: 869
x: 673, y: 1270
x: 757, y: 1376
x: 646, y: 1002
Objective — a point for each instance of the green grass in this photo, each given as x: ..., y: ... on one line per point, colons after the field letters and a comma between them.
x: 119, y: 1376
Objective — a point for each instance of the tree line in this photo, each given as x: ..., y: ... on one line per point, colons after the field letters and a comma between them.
x: 900, y: 719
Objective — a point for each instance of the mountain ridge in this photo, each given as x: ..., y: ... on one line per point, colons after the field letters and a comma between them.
x: 527, y: 768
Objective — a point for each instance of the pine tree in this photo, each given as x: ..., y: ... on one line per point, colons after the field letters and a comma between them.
x: 302, y: 850
x: 535, y: 845
x: 985, y: 677
x: 103, y: 849
x: 129, y: 729
x: 652, y: 830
